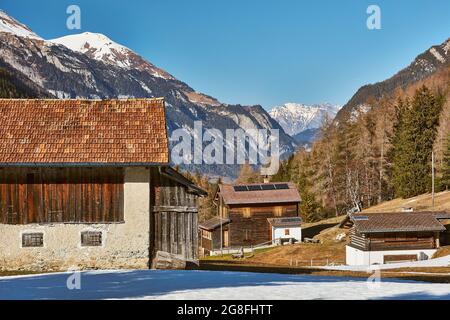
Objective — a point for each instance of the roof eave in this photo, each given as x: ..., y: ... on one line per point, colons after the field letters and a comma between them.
x: 259, y: 202
x: 399, y: 230
x: 286, y: 225
x: 214, y: 227
x: 85, y: 164
x: 177, y: 176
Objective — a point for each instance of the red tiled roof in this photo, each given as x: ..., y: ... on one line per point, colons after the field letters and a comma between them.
x: 230, y: 196
x: 398, y: 221
x: 83, y: 132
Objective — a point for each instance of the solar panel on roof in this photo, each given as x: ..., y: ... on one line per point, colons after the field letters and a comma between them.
x: 259, y: 187
x: 361, y: 218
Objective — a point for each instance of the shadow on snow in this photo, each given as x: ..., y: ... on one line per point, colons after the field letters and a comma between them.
x: 141, y: 283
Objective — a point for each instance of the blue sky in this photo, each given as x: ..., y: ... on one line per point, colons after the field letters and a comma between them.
x: 255, y: 51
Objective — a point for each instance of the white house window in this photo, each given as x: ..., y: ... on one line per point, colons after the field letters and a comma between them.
x: 33, y: 239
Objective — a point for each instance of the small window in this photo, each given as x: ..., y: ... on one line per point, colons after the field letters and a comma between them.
x: 32, y: 240
x: 91, y: 238
x: 278, y: 211
x: 207, y: 234
x: 286, y: 232
x: 246, y: 212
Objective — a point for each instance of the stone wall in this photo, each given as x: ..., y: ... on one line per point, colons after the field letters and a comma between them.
x: 124, y: 245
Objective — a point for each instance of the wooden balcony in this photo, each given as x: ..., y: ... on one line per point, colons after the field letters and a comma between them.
x: 402, y: 245
x: 371, y: 245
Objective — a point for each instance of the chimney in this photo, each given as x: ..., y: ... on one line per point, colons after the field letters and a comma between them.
x: 266, y: 179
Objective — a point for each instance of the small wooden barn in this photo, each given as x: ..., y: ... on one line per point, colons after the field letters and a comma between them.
x: 87, y: 184
x: 246, y: 213
x: 378, y: 238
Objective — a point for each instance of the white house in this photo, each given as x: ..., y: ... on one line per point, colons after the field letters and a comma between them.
x: 286, y: 228
x: 379, y: 238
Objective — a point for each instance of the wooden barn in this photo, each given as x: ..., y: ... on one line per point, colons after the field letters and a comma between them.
x: 378, y: 238
x: 251, y: 214
x: 87, y: 184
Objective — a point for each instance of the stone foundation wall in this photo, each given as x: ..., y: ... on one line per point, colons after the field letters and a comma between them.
x: 124, y: 245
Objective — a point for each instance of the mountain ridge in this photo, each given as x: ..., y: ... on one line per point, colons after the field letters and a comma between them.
x: 426, y: 63
x: 10, y: 25
x: 296, y: 118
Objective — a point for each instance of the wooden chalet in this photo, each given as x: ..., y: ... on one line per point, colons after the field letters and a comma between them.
x: 245, y: 215
x: 87, y: 183
x: 378, y: 238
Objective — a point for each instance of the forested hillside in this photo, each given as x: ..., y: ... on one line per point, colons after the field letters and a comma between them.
x: 14, y: 87
x: 9, y: 89
x: 379, y: 154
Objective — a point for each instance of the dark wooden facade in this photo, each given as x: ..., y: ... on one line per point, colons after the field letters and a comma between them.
x: 68, y: 195
x: 249, y: 225
x: 174, y: 215
x: 393, y: 241
x: 211, y: 240
x: 445, y: 236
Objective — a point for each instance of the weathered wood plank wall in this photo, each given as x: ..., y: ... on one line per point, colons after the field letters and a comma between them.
x: 392, y: 241
x: 69, y: 195
x: 174, y: 217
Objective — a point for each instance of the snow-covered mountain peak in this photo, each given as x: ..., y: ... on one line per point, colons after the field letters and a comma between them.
x: 10, y: 25
x: 99, y: 47
x: 296, y: 117
x: 87, y: 41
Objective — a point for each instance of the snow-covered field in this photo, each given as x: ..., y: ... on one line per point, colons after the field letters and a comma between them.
x: 150, y: 284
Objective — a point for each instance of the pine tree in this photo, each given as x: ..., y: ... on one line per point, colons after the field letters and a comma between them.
x: 310, y: 209
x: 284, y: 171
x: 10, y: 88
x: 413, y: 143
x: 301, y: 173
